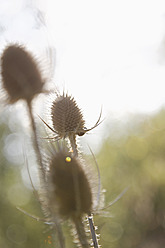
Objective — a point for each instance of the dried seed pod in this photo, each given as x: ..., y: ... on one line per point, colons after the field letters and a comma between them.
x: 66, y: 116
x: 67, y: 120
x: 69, y: 188
x: 21, y: 77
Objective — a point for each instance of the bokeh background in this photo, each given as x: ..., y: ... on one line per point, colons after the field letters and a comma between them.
x: 104, y: 53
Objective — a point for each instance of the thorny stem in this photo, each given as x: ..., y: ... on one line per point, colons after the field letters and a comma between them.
x: 72, y: 139
x: 42, y: 181
x: 92, y: 229
x: 36, y: 144
x: 81, y: 232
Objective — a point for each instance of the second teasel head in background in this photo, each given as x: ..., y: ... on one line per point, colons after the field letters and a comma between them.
x: 20, y: 73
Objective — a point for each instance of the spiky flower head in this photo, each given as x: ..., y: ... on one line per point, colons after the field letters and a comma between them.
x: 66, y: 116
x: 69, y: 188
x: 67, y: 120
x: 21, y: 77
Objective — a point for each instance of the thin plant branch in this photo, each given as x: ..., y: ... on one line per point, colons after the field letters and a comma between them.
x: 99, y: 177
x: 116, y: 199
x: 36, y: 143
x: 34, y: 217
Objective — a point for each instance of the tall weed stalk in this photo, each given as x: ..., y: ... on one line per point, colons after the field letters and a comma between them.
x: 67, y: 190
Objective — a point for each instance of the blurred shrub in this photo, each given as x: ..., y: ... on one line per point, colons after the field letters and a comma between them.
x: 135, y: 159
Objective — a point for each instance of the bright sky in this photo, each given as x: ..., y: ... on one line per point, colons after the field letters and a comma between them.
x: 109, y: 53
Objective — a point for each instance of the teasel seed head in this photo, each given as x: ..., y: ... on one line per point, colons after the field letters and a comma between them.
x: 66, y: 116
x: 69, y: 188
x: 67, y: 120
x: 21, y: 77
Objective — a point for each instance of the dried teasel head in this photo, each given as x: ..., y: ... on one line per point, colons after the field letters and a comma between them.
x: 69, y: 188
x: 66, y: 116
x: 67, y: 120
x: 21, y: 77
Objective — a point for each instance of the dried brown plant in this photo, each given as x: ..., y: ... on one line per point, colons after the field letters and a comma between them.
x: 21, y: 77
x: 66, y: 191
x: 67, y: 120
x: 69, y: 189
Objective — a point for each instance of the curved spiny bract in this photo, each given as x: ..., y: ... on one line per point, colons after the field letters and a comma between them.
x: 21, y: 77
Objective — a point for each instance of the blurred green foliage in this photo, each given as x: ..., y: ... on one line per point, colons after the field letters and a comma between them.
x: 134, y: 157
x: 137, y: 160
